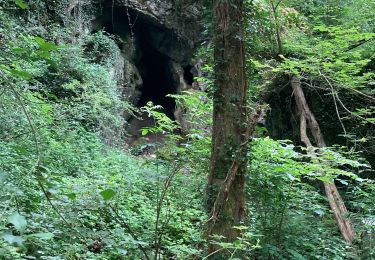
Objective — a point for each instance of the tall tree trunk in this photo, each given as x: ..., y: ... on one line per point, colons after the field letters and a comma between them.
x: 228, y: 159
x: 335, y: 201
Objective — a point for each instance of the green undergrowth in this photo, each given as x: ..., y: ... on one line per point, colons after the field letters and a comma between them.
x: 112, y: 188
x: 70, y: 190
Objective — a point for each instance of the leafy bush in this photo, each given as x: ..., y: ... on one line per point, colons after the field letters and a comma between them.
x: 287, y: 208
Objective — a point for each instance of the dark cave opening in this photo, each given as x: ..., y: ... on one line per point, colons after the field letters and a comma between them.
x: 158, y: 82
x: 154, y: 46
x: 188, y: 75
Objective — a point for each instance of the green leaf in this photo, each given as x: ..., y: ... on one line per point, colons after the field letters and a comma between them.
x: 18, y: 221
x: 13, y: 239
x: 43, y: 236
x: 241, y: 227
x: 3, y: 177
x: 39, y: 40
x: 20, y: 73
x: 72, y: 196
x: 144, y: 131
x: 108, y: 194
x: 19, y: 50
x: 122, y: 251
x: 21, y: 149
x: 45, y: 46
x: 21, y: 4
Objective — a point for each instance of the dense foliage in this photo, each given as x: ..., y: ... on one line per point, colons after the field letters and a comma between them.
x: 71, y: 190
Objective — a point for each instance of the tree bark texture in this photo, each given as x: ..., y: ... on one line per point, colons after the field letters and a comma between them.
x: 335, y: 201
x: 228, y: 159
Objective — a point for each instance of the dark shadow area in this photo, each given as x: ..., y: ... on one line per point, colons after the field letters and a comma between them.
x: 115, y: 21
x: 188, y: 75
x: 157, y: 79
x: 154, y: 66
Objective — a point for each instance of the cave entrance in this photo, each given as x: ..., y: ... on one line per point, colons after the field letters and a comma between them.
x: 157, y: 53
x: 159, y: 79
x: 155, y: 69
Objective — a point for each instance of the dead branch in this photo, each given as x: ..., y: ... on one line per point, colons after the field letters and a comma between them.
x: 335, y: 201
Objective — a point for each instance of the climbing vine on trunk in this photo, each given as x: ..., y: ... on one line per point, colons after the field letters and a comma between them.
x: 226, y: 198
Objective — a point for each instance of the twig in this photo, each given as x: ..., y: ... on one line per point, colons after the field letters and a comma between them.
x: 353, y: 89
x: 120, y: 221
x: 158, y: 212
x: 334, y: 101
x: 353, y: 114
x: 277, y: 5
x: 37, y: 165
x: 361, y: 93
x: 217, y: 251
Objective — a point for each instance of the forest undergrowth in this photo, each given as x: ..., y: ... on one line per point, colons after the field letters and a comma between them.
x: 72, y: 190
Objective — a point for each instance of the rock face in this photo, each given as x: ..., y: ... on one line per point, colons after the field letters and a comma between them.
x: 156, y: 39
x: 182, y: 17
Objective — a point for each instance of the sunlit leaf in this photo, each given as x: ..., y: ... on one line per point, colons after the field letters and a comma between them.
x: 21, y: 4
x: 108, y: 194
x: 18, y: 221
x: 20, y: 73
x: 11, y: 239
x: 43, y: 236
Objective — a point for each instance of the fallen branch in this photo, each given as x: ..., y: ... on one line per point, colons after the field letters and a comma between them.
x: 335, y: 201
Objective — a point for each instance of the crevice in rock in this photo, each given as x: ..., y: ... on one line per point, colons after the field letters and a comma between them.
x: 114, y: 21
x: 188, y: 75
